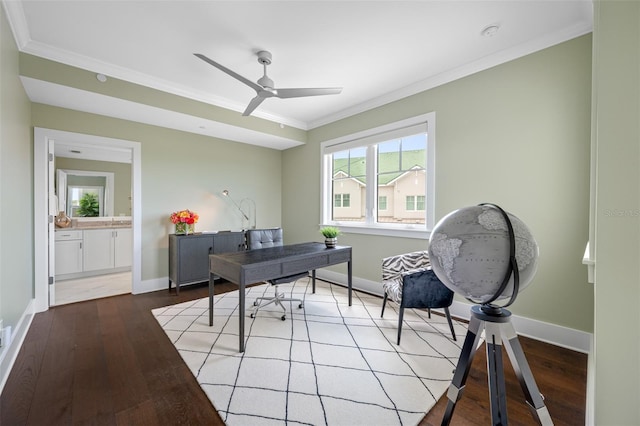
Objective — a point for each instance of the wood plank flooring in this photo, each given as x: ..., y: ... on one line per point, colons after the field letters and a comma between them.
x: 108, y: 362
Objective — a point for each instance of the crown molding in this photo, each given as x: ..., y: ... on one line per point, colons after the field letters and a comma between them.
x: 17, y: 22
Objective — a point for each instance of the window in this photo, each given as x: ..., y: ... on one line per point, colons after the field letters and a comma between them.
x: 382, y: 202
x: 381, y: 181
x: 414, y: 202
x: 94, y: 206
x: 341, y: 200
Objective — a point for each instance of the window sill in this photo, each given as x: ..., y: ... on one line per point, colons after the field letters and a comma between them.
x: 421, y: 234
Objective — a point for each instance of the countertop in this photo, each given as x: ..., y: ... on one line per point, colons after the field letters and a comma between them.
x: 83, y: 228
x: 107, y: 223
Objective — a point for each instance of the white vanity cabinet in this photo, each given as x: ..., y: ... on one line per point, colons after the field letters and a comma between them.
x: 68, y: 252
x: 87, y: 252
x: 123, y: 248
x: 107, y: 248
x: 98, y: 249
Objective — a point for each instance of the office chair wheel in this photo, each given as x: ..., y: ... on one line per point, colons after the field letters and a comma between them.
x: 255, y: 303
x: 300, y: 306
x: 253, y: 315
x: 283, y: 317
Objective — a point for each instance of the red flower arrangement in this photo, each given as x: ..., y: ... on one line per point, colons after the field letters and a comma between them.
x: 184, y: 216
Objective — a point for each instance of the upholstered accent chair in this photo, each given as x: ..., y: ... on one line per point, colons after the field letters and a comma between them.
x: 265, y: 238
x: 407, y: 279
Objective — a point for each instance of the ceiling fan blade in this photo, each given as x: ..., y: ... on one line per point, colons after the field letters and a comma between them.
x: 253, y: 105
x: 298, y: 93
x: 233, y: 74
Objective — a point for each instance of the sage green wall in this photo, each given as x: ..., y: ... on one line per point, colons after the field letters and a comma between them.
x: 517, y: 135
x: 617, y: 212
x: 16, y: 183
x: 183, y: 171
x: 121, y: 176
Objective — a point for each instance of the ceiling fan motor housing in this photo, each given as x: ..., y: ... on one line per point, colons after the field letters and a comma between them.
x: 266, y: 82
x: 264, y: 57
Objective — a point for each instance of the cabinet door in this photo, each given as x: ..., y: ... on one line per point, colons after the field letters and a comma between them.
x: 226, y: 242
x: 68, y: 257
x: 123, y: 247
x: 194, y: 258
x: 98, y: 249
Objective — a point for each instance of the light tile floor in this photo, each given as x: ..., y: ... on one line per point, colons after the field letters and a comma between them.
x: 71, y: 291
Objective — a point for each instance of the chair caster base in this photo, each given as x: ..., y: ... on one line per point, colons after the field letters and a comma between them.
x: 300, y: 306
x: 283, y: 317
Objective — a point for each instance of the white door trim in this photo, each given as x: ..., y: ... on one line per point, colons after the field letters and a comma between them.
x: 40, y: 205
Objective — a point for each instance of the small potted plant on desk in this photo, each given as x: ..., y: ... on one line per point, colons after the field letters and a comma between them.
x: 330, y: 234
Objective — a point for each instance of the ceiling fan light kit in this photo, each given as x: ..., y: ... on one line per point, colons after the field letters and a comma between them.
x: 265, y: 87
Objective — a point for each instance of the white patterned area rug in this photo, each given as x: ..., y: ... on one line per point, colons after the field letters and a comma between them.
x: 326, y: 364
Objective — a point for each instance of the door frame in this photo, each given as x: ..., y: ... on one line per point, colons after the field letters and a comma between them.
x: 41, y: 139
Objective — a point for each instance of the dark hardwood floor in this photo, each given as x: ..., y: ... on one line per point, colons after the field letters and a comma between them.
x: 108, y: 362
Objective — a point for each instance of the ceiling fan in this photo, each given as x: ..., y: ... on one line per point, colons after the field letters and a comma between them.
x: 265, y: 86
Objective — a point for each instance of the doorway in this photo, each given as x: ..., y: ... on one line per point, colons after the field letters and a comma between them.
x: 45, y: 206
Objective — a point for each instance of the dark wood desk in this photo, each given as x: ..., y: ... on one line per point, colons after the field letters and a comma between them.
x: 253, y: 266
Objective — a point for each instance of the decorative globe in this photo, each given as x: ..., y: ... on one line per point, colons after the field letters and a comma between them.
x: 469, y: 252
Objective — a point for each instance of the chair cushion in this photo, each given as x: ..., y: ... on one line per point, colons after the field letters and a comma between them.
x: 423, y: 289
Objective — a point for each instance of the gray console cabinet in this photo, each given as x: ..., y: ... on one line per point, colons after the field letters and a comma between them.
x: 189, y: 255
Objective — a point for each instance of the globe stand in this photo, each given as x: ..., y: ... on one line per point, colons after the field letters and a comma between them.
x: 496, y: 322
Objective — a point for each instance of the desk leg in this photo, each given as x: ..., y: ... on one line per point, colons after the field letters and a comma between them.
x: 241, y: 322
x: 349, y: 280
x: 313, y: 281
x: 210, y: 299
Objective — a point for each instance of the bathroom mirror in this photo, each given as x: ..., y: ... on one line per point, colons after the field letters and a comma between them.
x: 73, y: 185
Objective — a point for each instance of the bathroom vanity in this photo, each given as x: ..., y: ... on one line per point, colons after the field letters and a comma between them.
x: 93, y: 246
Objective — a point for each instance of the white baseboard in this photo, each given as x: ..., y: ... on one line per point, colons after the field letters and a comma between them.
x: 550, y: 333
x: 367, y: 286
x: 590, y: 414
x: 8, y: 354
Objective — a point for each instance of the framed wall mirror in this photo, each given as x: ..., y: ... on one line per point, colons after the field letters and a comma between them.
x: 77, y: 188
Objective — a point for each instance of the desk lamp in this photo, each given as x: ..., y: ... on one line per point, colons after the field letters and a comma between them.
x: 242, y: 212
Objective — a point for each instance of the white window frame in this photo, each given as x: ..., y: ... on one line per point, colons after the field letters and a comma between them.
x: 379, y: 134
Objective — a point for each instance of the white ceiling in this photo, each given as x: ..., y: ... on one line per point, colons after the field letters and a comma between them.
x: 378, y: 51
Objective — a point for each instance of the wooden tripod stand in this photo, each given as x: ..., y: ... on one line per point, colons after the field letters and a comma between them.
x: 496, y: 322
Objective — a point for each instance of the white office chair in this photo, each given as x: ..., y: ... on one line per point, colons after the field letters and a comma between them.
x: 264, y: 238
